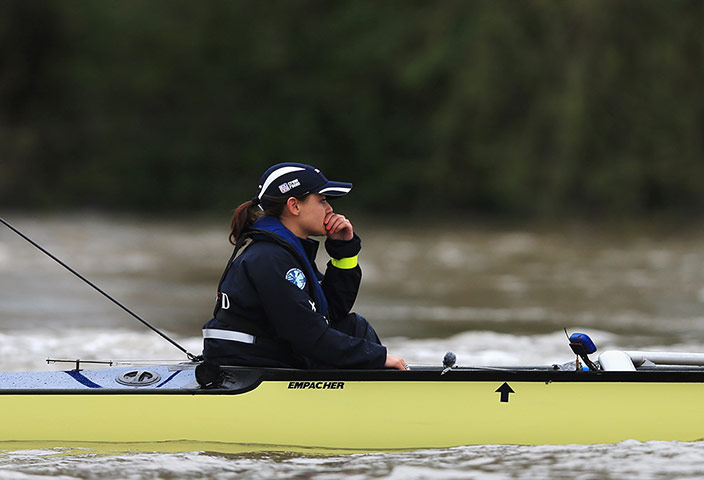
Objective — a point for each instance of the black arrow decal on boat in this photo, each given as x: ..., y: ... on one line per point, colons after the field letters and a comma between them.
x: 505, y: 390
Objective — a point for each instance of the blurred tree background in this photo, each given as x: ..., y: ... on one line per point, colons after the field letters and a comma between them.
x: 529, y: 109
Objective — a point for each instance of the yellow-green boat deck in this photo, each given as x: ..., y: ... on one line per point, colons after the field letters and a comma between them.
x: 350, y: 410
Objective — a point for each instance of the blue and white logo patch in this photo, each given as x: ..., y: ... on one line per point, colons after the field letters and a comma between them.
x: 285, y: 187
x: 296, y: 276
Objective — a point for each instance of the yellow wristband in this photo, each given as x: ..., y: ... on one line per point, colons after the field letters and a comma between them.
x: 344, y: 263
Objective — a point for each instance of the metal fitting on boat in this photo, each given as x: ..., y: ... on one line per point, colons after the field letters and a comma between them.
x: 616, y: 361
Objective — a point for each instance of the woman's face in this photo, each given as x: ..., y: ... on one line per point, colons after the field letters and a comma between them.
x: 313, y: 212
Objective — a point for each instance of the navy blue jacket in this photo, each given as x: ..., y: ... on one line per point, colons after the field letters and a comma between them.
x: 281, y: 318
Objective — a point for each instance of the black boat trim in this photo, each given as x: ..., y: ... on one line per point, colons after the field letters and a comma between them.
x: 239, y: 380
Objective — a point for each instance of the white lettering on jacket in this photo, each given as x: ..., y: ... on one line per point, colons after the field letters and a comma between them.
x: 225, y: 301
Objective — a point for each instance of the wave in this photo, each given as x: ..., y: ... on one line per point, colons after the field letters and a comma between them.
x: 29, y: 350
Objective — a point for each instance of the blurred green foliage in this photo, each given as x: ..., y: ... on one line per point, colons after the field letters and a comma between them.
x: 520, y: 108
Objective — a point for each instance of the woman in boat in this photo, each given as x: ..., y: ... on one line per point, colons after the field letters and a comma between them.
x: 274, y: 308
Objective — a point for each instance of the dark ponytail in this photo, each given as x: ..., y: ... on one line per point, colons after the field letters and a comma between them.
x: 248, y: 213
x: 245, y: 215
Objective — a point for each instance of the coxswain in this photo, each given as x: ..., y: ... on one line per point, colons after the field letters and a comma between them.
x: 274, y: 307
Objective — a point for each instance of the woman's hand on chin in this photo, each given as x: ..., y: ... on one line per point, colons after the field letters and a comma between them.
x: 338, y: 227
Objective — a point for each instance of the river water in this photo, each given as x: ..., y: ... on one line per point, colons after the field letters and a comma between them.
x: 493, y: 295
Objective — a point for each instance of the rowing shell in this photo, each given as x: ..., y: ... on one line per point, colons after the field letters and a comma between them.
x: 280, y: 409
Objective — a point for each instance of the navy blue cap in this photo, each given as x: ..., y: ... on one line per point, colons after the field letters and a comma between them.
x: 286, y: 180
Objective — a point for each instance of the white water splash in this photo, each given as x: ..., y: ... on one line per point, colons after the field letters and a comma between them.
x: 22, y: 350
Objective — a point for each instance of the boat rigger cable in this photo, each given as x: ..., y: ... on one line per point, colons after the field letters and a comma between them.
x: 193, y: 358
